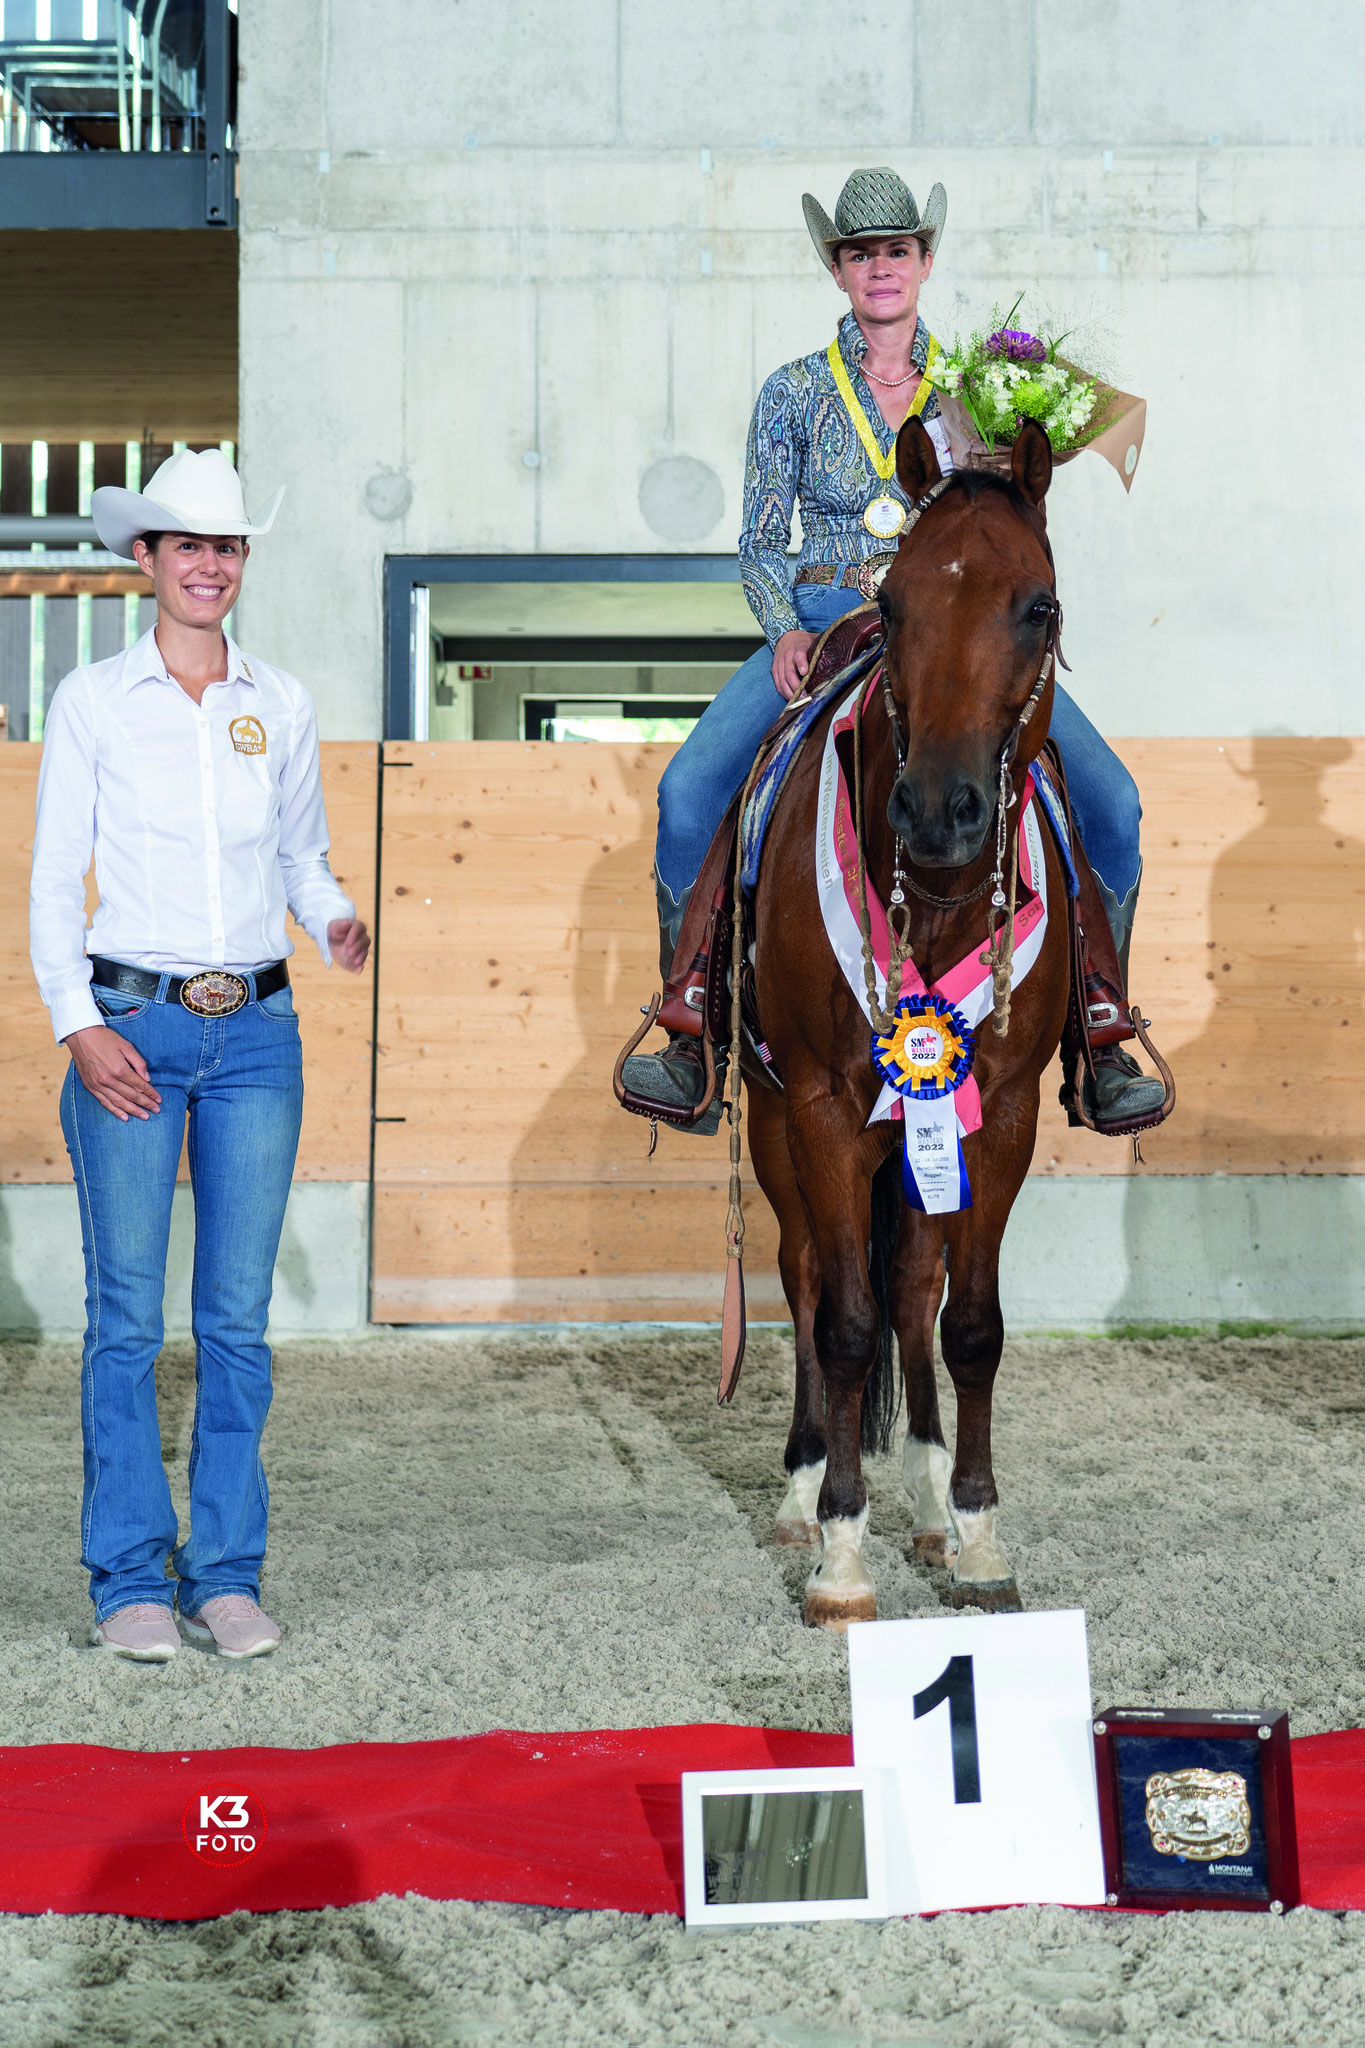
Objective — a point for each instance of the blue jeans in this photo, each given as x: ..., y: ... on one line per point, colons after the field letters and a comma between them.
x: 239, y: 1080
x: 708, y: 770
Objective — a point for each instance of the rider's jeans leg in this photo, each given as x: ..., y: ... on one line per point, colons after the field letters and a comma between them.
x: 709, y: 768
x: 1104, y: 798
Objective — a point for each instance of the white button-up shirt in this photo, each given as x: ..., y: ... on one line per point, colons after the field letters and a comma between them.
x: 205, y: 821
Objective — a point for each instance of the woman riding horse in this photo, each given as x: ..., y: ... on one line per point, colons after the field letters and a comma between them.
x: 810, y: 444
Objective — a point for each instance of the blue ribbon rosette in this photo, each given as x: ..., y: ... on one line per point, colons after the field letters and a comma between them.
x: 926, y: 1056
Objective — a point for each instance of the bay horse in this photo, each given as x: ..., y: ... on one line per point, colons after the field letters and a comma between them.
x: 970, y: 613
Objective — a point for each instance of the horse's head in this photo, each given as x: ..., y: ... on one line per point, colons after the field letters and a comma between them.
x: 969, y: 605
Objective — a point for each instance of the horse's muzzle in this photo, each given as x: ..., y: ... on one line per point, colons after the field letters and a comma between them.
x: 944, y: 826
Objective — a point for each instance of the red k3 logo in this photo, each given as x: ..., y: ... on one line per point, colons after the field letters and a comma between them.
x: 224, y: 1824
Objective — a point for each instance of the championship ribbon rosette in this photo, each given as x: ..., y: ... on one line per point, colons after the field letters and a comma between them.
x: 926, y: 1056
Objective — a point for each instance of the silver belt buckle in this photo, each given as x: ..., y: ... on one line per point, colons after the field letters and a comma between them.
x: 214, y: 993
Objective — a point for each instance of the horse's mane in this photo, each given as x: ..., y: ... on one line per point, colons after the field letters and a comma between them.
x: 977, y: 483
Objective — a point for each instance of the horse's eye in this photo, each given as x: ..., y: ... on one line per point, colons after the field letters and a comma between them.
x: 1040, y: 611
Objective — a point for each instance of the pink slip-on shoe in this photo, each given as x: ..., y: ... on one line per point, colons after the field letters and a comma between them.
x: 146, y: 1633
x: 236, y: 1624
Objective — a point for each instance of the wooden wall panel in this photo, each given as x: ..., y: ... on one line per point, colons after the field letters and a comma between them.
x: 160, y: 357
x: 335, y: 1009
x: 517, y: 939
x: 1249, y: 957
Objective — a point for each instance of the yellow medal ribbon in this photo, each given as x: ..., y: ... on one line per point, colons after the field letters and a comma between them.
x: 883, y: 464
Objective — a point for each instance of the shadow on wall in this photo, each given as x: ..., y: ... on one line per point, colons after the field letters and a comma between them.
x: 18, y: 1316
x: 1282, y: 1056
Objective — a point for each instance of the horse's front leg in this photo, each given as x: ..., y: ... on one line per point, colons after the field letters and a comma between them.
x: 837, y: 1187
x: 917, y: 1280
x: 972, y: 1331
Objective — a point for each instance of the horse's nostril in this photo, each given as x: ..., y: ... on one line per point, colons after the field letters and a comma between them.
x: 967, y: 808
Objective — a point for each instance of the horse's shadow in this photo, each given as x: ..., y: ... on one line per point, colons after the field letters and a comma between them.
x: 1270, y: 1081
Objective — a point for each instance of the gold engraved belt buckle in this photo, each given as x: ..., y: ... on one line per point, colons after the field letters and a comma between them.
x: 214, y: 994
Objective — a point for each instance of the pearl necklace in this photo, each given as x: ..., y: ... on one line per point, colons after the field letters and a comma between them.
x: 892, y: 383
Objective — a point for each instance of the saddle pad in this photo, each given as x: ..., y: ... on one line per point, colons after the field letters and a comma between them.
x: 1050, y: 798
x: 753, y: 826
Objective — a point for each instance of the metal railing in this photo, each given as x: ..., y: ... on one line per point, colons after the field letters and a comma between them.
x: 46, y: 539
x: 124, y: 75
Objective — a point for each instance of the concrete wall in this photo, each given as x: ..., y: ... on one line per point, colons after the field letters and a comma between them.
x: 570, y: 230
x: 1241, y: 1251
x: 321, y: 1276
x: 512, y: 275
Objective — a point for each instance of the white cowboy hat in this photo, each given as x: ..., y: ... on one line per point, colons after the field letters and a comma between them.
x: 189, y: 494
x: 874, y: 203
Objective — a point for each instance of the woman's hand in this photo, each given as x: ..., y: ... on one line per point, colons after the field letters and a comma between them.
x: 349, y: 942
x: 791, y: 659
x: 114, y: 1072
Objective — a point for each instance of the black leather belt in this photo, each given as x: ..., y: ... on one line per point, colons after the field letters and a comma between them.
x: 212, y: 992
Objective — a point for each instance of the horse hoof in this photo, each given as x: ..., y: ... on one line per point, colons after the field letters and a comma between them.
x: 934, y: 1547
x: 790, y: 1535
x: 827, y: 1610
x: 992, y: 1596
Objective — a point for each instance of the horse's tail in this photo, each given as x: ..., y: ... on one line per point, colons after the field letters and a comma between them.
x: 882, y: 1393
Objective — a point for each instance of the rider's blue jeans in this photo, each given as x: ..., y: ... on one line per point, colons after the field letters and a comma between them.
x: 239, y: 1080
x: 701, y: 780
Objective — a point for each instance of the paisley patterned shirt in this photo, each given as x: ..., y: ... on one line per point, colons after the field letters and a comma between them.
x: 804, y: 448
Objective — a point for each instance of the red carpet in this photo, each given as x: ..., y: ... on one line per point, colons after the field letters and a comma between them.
x: 554, y: 1820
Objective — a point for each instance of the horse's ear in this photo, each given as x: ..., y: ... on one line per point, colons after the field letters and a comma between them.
x: 916, y: 459
x: 1031, y: 462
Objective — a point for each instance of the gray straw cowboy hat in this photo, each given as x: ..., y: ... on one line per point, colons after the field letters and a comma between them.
x: 190, y: 493
x: 874, y: 203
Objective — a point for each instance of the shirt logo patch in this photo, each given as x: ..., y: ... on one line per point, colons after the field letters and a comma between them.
x: 248, y: 735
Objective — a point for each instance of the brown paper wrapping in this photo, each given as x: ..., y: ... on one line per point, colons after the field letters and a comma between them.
x: 1119, y: 441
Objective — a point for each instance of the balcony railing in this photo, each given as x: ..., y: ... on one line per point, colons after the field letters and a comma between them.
x: 94, y: 84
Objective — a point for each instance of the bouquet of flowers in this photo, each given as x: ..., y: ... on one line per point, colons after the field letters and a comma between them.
x: 993, y: 381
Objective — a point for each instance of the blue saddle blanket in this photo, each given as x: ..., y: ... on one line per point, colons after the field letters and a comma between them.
x: 753, y: 826
x: 1055, y: 813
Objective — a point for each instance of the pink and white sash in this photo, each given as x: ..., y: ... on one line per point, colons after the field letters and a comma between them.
x: 967, y: 985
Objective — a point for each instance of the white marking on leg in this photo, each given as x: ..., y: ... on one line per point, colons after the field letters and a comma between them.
x: 841, y: 1574
x: 796, y: 1518
x: 926, y: 1470
x: 981, y: 1560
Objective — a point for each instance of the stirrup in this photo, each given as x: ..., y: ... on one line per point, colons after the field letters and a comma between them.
x: 702, y: 1116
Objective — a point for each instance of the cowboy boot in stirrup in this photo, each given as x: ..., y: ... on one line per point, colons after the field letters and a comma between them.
x: 1120, y: 1089
x: 677, y: 1075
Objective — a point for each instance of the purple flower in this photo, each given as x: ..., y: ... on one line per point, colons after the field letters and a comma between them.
x: 1016, y: 346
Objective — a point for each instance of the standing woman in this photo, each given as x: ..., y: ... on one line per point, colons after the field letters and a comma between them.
x: 191, y: 772
x: 823, y: 439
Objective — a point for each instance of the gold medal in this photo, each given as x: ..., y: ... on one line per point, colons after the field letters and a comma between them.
x: 884, y: 517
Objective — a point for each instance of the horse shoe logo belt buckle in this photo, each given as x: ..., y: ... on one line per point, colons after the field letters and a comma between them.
x: 214, y: 994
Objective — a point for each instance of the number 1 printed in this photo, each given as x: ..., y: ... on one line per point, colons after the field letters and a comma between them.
x: 954, y: 1684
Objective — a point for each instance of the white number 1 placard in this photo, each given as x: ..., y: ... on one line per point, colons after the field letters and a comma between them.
x: 985, y: 1720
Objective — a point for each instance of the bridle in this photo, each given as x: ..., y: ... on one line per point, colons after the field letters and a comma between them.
x: 999, y: 953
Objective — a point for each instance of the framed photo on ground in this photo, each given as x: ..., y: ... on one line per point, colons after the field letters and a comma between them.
x: 783, y: 1845
x: 1197, y: 1809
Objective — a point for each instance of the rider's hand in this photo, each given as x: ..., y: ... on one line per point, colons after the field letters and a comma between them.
x: 791, y: 659
x: 349, y: 942
x: 114, y: 1072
